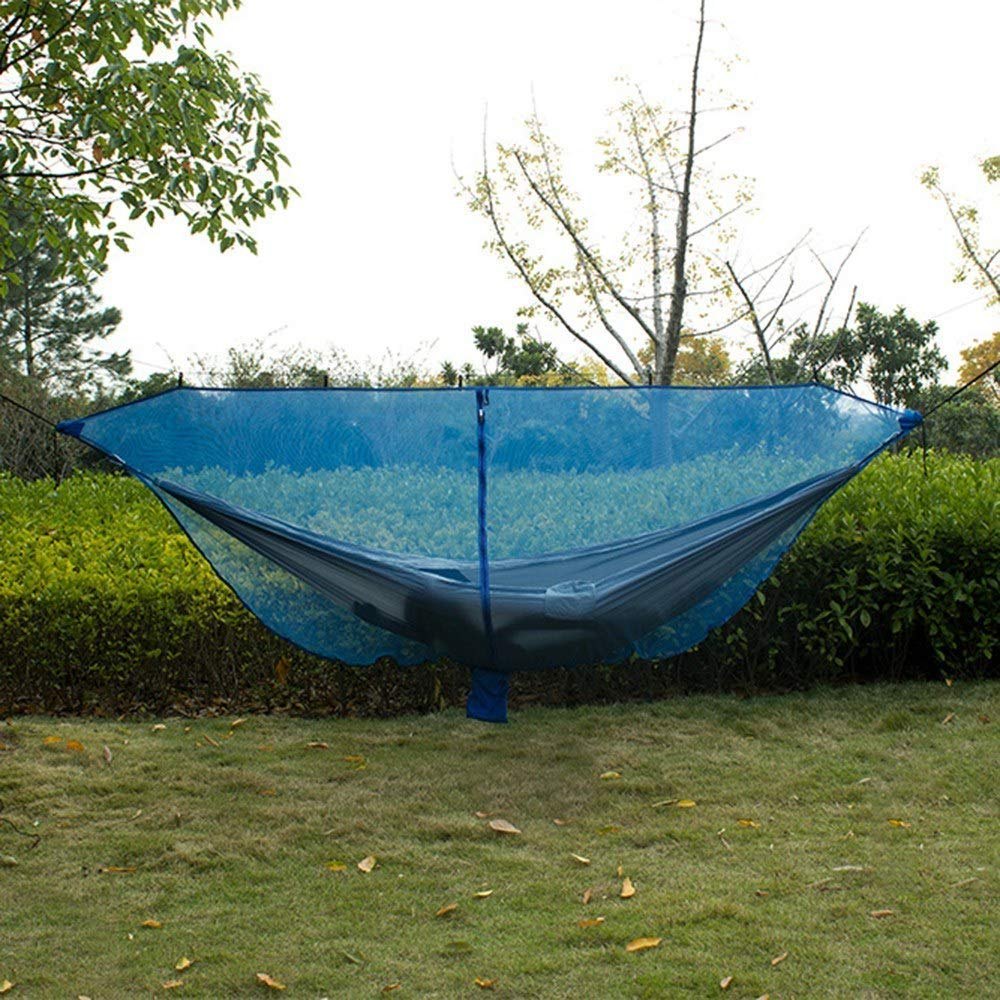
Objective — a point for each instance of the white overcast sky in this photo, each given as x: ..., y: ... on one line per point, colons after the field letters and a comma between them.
x: 849, y: 101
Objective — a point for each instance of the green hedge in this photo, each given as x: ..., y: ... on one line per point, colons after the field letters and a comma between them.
x: 104, y: 603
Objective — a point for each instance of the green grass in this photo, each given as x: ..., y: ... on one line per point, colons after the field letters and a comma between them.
x: 230, y: 843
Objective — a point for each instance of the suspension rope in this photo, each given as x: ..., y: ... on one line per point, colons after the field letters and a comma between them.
x: 28, y: 410
x: 962, y: 388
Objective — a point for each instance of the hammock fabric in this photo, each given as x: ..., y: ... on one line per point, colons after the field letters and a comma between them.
x: 506, y: 528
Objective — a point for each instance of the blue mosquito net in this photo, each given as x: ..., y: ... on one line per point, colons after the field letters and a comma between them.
x: 507, y: 528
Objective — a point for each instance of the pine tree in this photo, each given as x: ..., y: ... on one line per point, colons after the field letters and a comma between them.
x: 51, y: 324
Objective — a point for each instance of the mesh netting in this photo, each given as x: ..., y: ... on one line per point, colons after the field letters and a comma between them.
x: 509, y: 528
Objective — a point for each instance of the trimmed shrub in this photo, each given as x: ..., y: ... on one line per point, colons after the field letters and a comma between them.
x: 104, y: 604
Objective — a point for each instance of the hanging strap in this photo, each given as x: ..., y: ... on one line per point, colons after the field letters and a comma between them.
x: 28, y: 410
x: 488, y: 696
x: 957, y: 392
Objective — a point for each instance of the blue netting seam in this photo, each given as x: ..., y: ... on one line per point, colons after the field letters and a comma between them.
x: 482, y: 401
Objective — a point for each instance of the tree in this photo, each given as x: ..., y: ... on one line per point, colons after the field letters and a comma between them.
x: 976, y: 358
x: 617, y: 303
x: 979, y: 260
x: 120, y: 101
x: 51, y: 322
x: 700, y: 361
x: 514, y: 357
x: 810, y: 344
x: 894, y: 354
x: 259, y: 364
x: 518, y: 359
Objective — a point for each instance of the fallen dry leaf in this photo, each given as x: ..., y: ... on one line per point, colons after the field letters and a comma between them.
x: 270, y: 792
x: 482, y: 894
x: 173, y: 984
x: 184, y: 963
x: 318, y: 745
x: 502, y: 826
x: 115, y: 870
x: 152, y: 924
x: 821, y: 883
x: 761, y: 892
x: 208, y: 739
x: 724, y: 984
x: 752, y: 823
x: 628, y: 890
x: 561, y: 822
x: 664, y: 802
x: 621, y: 871
x: 446, y: 909
x: 281, y: 671
x: 588, y: 894
x: 270, y: 982
x: 366, y: 864
x: 879, y: 914
x: 641, y: 944
x: 336, y: 866
x: 610, y: 776
x: 579, y: 858
x: 391, y: 987
x: 355, y: 758
x: 899, y: 822
x: 686, y: 803
x: 6, y: 986
x: 107, y: 755
x: 236, y: 722
x: 486, y: 984
x: 590, y: 922
x: 948, y: 718
x: 479, y: 814
x: 778, y: 959
x: 51, y: 741
x: 159, y: 727
x: 948, y: 681
x: 75, y: 746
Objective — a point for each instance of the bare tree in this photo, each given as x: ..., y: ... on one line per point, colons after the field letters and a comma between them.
x: 619, y: 304
x: 766, y: 309
x: 983, y: 261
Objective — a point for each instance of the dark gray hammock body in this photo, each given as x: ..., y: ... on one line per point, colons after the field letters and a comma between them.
x: 589, y: 604
x: 532, y: 493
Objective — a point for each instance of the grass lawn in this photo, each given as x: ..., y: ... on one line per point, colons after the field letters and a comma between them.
x: 854, y: 831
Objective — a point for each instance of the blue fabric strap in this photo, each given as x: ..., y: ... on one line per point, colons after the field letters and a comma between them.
x: 488, y: 696
x: 482, y: 401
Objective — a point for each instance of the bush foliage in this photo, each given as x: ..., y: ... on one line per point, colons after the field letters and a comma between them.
x: 104, y: 603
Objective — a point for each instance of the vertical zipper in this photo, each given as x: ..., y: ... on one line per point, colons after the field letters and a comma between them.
x: 482, y: 401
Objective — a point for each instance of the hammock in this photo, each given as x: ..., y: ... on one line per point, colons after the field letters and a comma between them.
x: 505, y: 528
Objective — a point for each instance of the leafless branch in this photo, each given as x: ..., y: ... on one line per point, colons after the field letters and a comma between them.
x: 970, y: 250
x: 581, y: 247
x: 755, y: 320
